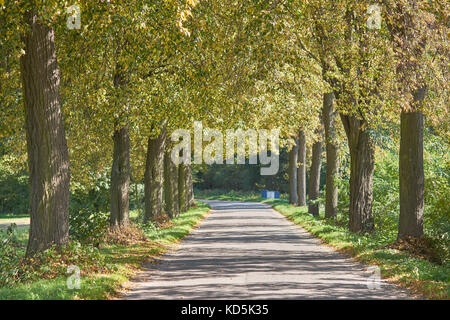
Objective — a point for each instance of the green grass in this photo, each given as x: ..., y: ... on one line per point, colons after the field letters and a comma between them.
x: 181, y: 226
x: 21, y: 235
x: 217, y: 194
x: 421, y: 276
x: 121, y: 261
x: 13, y: 216
x: 134, y: 215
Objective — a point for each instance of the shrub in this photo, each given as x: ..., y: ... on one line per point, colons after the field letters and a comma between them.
x: 88, y: 226
x: 14, y: 192
x: 11, y: 253
x: 16, y: 268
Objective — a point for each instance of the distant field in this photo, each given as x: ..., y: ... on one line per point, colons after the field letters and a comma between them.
x: 23, y: 220
x: 19, y: 220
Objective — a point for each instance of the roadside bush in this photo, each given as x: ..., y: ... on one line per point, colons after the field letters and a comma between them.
x: 16, y: 268
x: 11, y: 253
x: 88, y: 226
x: 49, y: 264
x: 437, y: 187
x: 89, y: 207
x: 13, y: 191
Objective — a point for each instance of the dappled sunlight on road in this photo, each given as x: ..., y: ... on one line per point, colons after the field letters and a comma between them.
x: 249, y: 251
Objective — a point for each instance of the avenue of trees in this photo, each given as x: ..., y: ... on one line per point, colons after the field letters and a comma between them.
x: 105, y: 97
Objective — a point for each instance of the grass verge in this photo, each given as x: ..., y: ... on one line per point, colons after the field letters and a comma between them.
x: 119, y: 263
x: 6, y: 216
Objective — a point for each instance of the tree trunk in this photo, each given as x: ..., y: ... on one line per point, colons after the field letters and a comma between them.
x: 169, y: 201
x: 411, y: 172
x: 301, y: 170
x: 48, y: 156
x: 331, y: 192
x: 189, y: 187
x: 361, y: 174
x: 293, y: 154
x: 314, y: 178
x: 182, y: 187
x: 136, y: 190
x: 153, y: 177
x: 120, y: 178
x: 174, y: 184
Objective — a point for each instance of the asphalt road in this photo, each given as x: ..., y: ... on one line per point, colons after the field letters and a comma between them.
x: 249, y: 251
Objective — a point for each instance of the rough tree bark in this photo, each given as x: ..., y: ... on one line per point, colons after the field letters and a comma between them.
x: 331, y: 192
x: 153, y: 177
x: 293, y: 154
x: 314, y: 177
x: 361, y: 174
x: 301, y: 170
x: 48, y: 156
x: 120, y: 171
x: 136, y: 191
x: 169, y: 200
x: 120, y: 179
x: 189, y: 187
x: 411, y: 172
x: 182, y: 187
x: 174, y: 184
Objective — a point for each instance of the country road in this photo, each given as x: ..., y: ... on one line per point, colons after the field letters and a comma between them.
x: 250, y: 251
